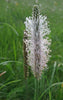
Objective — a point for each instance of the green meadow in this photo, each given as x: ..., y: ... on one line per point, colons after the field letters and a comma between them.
x: 13, y: 85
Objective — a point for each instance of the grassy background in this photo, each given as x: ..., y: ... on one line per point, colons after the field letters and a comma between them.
x: 13, y: 86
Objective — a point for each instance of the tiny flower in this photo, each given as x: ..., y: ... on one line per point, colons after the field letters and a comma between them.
x: 37, y: 42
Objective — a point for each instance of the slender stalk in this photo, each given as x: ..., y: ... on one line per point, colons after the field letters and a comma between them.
x: 26, y: 89
x: 36, y: 89
x: 35, y: 97
x: 52, y: 76
x: 53, y: 73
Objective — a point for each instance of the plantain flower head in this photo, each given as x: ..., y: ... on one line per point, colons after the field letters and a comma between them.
x: 37, y: 42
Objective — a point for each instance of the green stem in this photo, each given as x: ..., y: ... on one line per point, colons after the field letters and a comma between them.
x: 55, y: 84
x: 26, y: 89
x: 36, y: 89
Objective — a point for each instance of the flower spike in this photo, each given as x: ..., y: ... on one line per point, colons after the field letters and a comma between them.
x: 37, y: 42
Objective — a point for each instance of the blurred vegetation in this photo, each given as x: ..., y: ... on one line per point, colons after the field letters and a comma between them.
x: 13, y: 85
